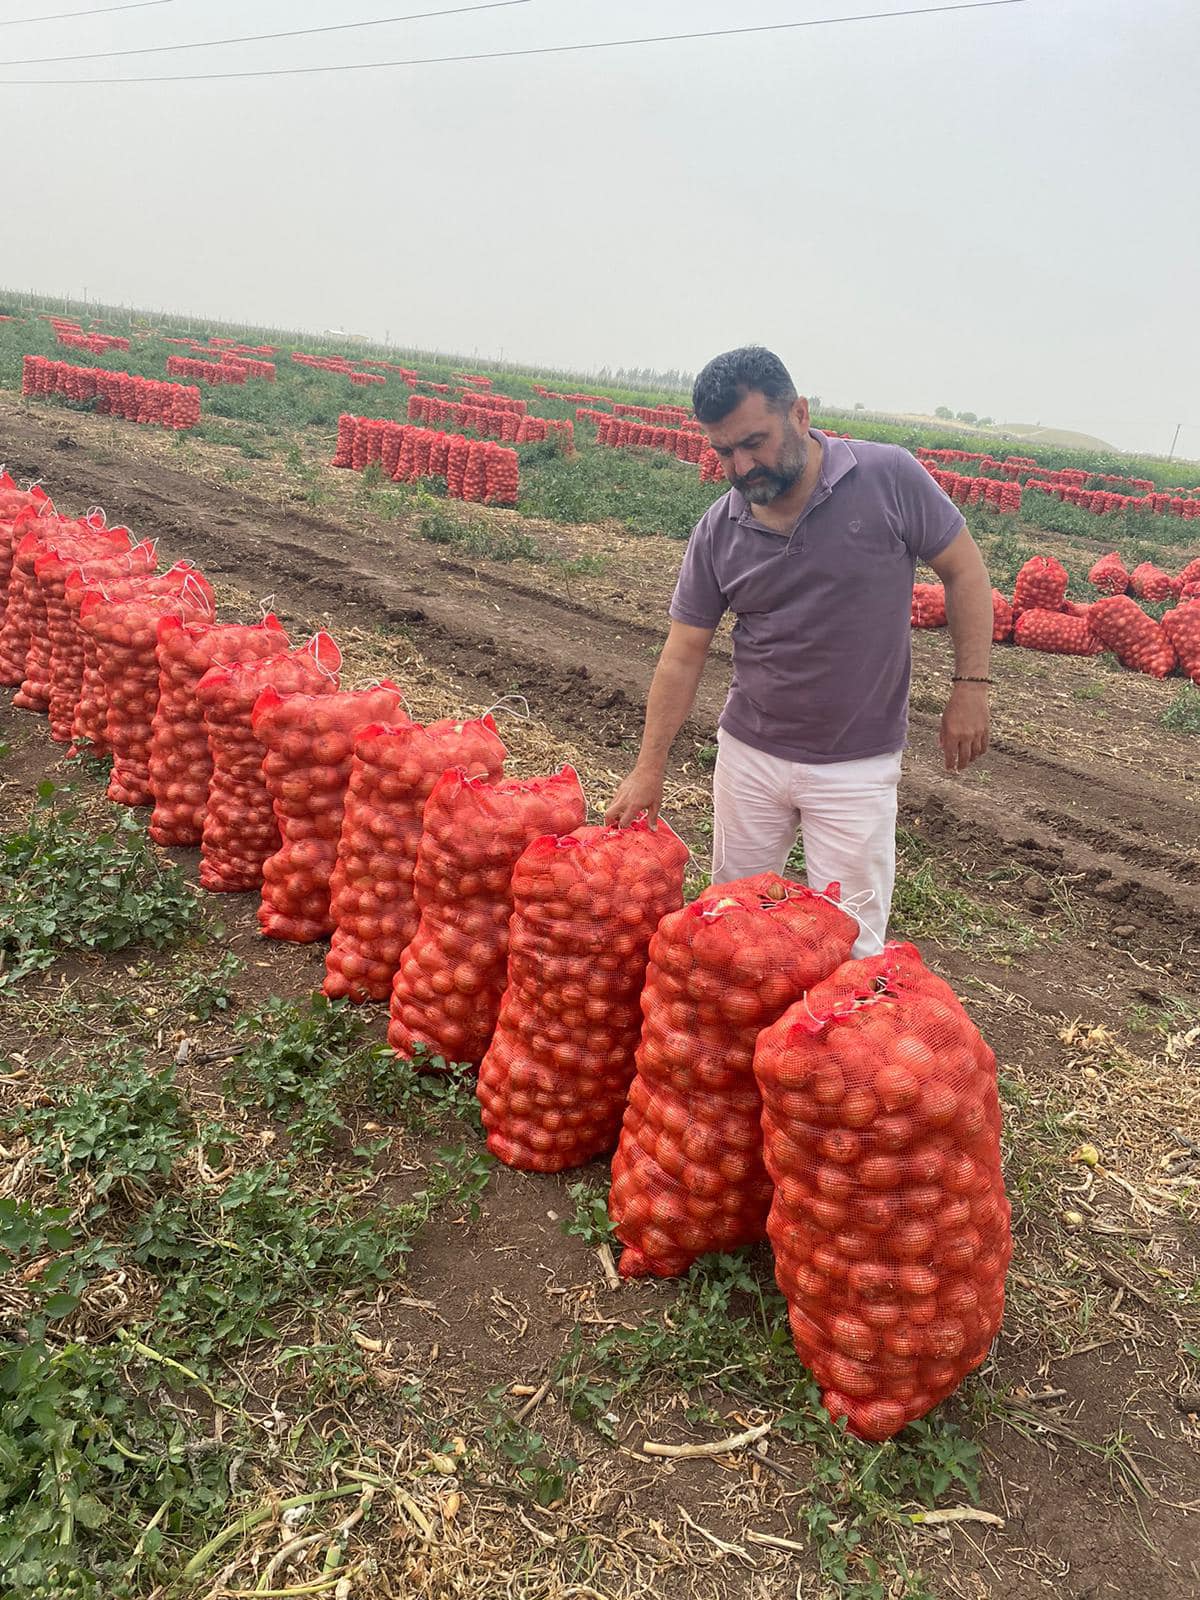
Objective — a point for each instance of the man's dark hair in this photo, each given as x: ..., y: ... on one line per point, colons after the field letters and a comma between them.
x: 728, y: 379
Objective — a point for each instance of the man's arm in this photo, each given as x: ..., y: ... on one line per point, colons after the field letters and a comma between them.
x: 672, y: 693
x: 964, y: 730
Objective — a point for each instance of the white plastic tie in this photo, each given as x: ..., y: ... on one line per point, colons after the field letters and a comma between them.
x: 507, y: 704
x: 266, y: 606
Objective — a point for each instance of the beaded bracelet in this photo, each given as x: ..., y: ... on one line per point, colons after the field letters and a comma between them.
x: 972, y: 680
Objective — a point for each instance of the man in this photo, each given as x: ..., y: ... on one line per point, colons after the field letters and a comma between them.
x: 814, y: 550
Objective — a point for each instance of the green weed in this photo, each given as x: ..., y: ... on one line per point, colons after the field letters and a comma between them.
x: 63, y: 887
x: 1183, y: 714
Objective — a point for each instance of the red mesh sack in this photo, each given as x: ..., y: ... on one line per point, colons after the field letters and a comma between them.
x: 1182, y: 628
x: 125, y: 632
x: 309, y: 746
x: 1002, y: 618
x: 14, y: 502
x: 180, y: 763
x: 1055, y: 632
x: 1077, y: 608
x: 928, y: 605
x: 447, y: 991
x: 1110, y: 574
x: 23, y: 616
x: 54, y: 546
x: 90, y: 720
x: 67, y: 640
x: 1041, y: 585
x: 585, y: 906
x: 1189, y: 574
x: 688, y: 1176
x: 890, y: 1225
x: 240, y: 831
x: 1136, y: 639
x: 372, y: 901
x: 1149, y: 582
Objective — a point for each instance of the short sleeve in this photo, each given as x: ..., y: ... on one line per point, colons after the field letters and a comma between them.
x: 698, y: 600
x: 929, y: 519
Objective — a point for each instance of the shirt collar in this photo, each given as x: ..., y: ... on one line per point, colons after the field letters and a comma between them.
x: 837, y: 459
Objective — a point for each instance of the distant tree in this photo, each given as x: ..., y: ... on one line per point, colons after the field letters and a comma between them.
x: 814, y: 402
x: 858, y: 406
x: 986, y: 422
x: 967, y: 416
x: 945, y: 413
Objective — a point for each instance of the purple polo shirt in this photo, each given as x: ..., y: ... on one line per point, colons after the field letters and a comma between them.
x: 822, y: 645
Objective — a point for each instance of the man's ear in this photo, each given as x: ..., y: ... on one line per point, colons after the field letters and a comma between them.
x: 800, y: 412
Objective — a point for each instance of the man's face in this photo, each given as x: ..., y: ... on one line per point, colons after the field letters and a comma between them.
x: 763, y: 451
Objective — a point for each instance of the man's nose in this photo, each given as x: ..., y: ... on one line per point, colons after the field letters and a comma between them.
x: 743, y: 463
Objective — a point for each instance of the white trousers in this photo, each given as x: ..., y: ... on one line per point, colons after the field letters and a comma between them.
x: 844, y: 810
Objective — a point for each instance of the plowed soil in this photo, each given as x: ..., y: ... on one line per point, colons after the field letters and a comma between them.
x: 1080, y: 832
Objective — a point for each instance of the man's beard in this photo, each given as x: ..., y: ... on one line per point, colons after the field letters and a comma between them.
x: 764, y: 484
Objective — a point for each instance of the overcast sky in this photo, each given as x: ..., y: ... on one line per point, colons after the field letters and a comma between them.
x: 996, y: 210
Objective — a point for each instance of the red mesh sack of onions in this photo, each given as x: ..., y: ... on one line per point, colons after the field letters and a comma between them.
x: 1041, y: 585
x: 890, y: 1225
x: 180, y: 763
x: 928, y: 605
x: 14, y: 503
x: 1110, y: 574
x: 1182, y: 627
x: 240, y: 831
x: 688, y: 1176
x: 124, y: 632
x: 1002, y: 618
x: 309, y: 744
x: 1055, y: 632
x: 585, y: 906
x: 90, y: 720
x: 1137, y: 640
x: 1149, y: 582
x: 372, y: 900
x: 23, y: 616
x: 54, y: 546
x: 62, y: 621
x: 447, y: 991
x: 19, y: 510
x: 1189, y: 574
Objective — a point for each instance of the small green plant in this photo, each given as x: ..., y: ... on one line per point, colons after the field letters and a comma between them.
x: 590, y: 1221
x: 63, y: 887
x: 1183, y: 714
x: 205, y: 992
x: 473, y: 539
x: 542, y: 1475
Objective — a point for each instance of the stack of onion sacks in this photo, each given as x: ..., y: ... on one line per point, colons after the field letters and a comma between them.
x: 14, y: 503
x: 54, y: 547
x: 309, y: 744
x: 1137, y: 641
x: 1149, y: 582
x: 585, y: 906
x: 21, y: 613
x: 688, y: 1175
x: 180, y: 763
x: 125, y: 632
x: 372, y: 901
x: 447, y: 992
x: 240, y: 830
x: 67, y: 640
x: 890, y: 1225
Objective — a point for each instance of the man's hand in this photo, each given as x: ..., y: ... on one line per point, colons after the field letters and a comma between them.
x: 641, y: 791
x: 964, y: 732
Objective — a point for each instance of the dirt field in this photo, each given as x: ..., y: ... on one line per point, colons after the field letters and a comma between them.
x: 1057, y: 885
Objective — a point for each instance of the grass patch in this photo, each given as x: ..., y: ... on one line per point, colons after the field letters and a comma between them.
x: 63, y: 888
x: 474, y: 539
x: 644, y: 490
x: 1183, y: 714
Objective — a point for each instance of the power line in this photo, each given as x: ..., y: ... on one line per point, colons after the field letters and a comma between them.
x: 253, y: 38
x: 509, y: 55
x: 97, y: 11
